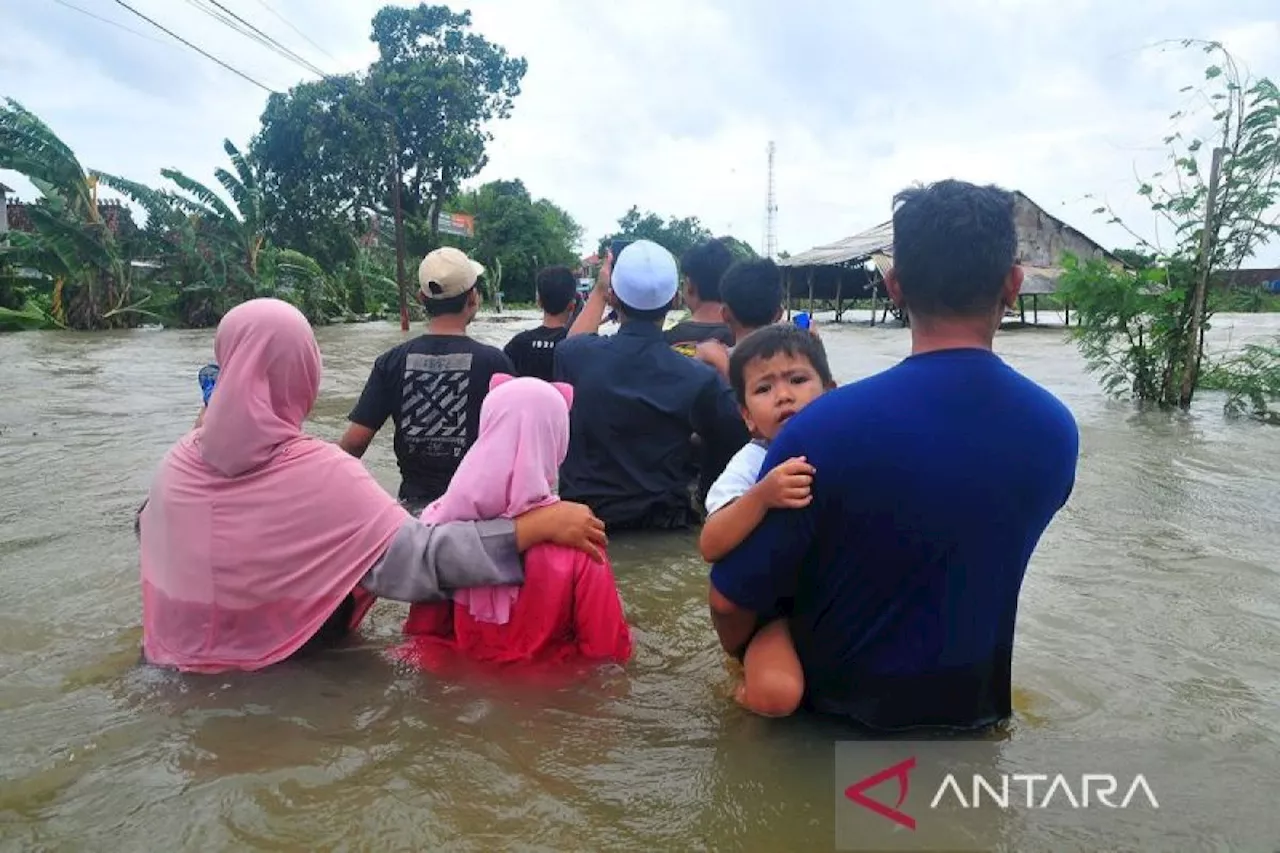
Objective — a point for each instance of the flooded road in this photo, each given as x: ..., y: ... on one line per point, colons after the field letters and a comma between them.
x: 1151, y: 612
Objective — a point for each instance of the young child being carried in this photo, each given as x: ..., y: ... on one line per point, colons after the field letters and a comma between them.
x: 775, y: 372
x: 568, y: 608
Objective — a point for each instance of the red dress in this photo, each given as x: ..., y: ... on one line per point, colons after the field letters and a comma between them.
x: 568, y: 610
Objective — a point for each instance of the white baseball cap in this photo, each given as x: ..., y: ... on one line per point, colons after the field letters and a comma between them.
x: 644, y: 276
x: 447, y: 272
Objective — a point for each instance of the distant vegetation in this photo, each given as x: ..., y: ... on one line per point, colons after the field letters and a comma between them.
x: 1143, y: 331
x: 305, y: 212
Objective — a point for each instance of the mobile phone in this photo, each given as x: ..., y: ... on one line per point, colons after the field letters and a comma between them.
x: 616, y: 247
x: 208, y: 377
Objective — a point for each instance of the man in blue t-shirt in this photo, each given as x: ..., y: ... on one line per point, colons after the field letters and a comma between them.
x: 933, y: 483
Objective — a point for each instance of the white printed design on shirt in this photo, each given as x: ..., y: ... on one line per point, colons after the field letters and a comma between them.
x: 434, y: 403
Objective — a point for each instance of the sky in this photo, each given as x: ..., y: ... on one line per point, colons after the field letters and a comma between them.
x: 670, y: 104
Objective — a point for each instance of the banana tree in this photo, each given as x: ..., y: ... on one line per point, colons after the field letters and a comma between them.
x: 298, y: 279
x: 241, y: 230
x: 368, y: 281
x: 72, y: 246
x: 195, y: 262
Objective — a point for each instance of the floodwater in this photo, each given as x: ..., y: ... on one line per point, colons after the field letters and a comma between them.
x: 1151, y: 612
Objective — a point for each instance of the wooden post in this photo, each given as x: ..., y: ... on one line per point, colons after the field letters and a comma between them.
x: 839, y: 295
x: 787, y: 294
x: 1066, y: 313
x: 810, y: 293
x: 875, y: 299
x: 1035, y: 309
x: 400, y: 271
x: 1022, y: 308
x: 1191, y: 370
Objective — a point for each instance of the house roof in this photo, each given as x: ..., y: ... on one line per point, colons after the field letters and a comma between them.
x: 859, y: 247
x: 4, y: 189
x: 878, y: 241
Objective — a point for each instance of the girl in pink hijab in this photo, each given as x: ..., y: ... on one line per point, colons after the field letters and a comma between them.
x: 257, y: 539
x: 568, y: 607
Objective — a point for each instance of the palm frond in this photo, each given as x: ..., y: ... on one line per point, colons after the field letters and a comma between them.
x: 208, y: 203
x: 160, y: 206
x: 243, y: 169
x: 240, y: 194
x: 31, y: 148
x: 76, y: 244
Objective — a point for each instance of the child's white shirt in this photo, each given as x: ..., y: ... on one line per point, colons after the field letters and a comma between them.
x: 738, y: 476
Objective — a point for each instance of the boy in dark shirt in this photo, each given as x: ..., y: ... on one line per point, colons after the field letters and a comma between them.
x: 752, y: 299
x: 702, y: 267
x: 533, y: 351
x: 433, y: 385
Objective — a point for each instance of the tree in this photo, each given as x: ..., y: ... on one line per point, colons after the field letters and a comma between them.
x: 740, y: 249
x: 1143, y: 331
x: 418, y: 116
x: 677, y: 236
x: 322, y: 154
x: 73, y: 243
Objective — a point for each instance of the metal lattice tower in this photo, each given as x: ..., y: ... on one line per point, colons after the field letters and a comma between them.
x: 770, y: 212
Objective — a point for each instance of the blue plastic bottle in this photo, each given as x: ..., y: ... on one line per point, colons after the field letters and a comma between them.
x: 801, y: 320
x: 208, y: 377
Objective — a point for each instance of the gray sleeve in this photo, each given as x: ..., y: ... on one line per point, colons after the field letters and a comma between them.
x: 425, y: 562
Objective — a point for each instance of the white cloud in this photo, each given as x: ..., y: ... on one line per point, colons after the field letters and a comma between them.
x: 669, y: 105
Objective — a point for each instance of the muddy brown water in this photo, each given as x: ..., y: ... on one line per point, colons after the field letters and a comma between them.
x: 1151, y: 611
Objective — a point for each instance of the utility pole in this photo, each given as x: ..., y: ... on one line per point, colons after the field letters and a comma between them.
x: 1191, y: 367
x: 770, y: 212
x: 399, y: 220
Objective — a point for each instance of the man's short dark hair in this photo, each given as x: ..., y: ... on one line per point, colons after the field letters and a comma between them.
x: 650, y: 315
x: 704, y: 265
x: 752, y: 290
x: 767, y: 342
x: 445, y: 307
x: 953, y: 246
x: 557, y: 289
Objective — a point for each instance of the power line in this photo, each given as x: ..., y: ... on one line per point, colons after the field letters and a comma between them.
x: 196, y: 49
x: 115, y: 24
x: 240, y: 26
x: 296, y: 56
x: 305, y: 37
x: 277, y: 48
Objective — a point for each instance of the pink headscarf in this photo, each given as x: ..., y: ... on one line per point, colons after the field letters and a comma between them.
x: 254, y: 533
x: 511, y: 468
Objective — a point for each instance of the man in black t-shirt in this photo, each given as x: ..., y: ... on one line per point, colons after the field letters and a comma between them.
x: 702, y: 267
x: 533, y: 351
x: 433, y: 385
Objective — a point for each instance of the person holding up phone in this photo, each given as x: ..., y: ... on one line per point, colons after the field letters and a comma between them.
x: 639, y: 402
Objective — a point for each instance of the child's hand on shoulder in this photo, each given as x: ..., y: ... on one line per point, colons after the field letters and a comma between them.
x: 789, y: 485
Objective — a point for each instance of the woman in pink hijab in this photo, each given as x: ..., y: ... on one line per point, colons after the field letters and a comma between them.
x: 257, y: 539
x: 568, y: 607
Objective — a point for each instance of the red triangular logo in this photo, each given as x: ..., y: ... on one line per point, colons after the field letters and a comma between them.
x: 899, y: 771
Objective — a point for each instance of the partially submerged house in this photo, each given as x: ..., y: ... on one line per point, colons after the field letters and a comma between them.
x: 4, y: 209
x: 854, y: 268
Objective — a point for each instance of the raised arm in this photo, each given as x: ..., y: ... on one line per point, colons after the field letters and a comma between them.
x: 592, y: 314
